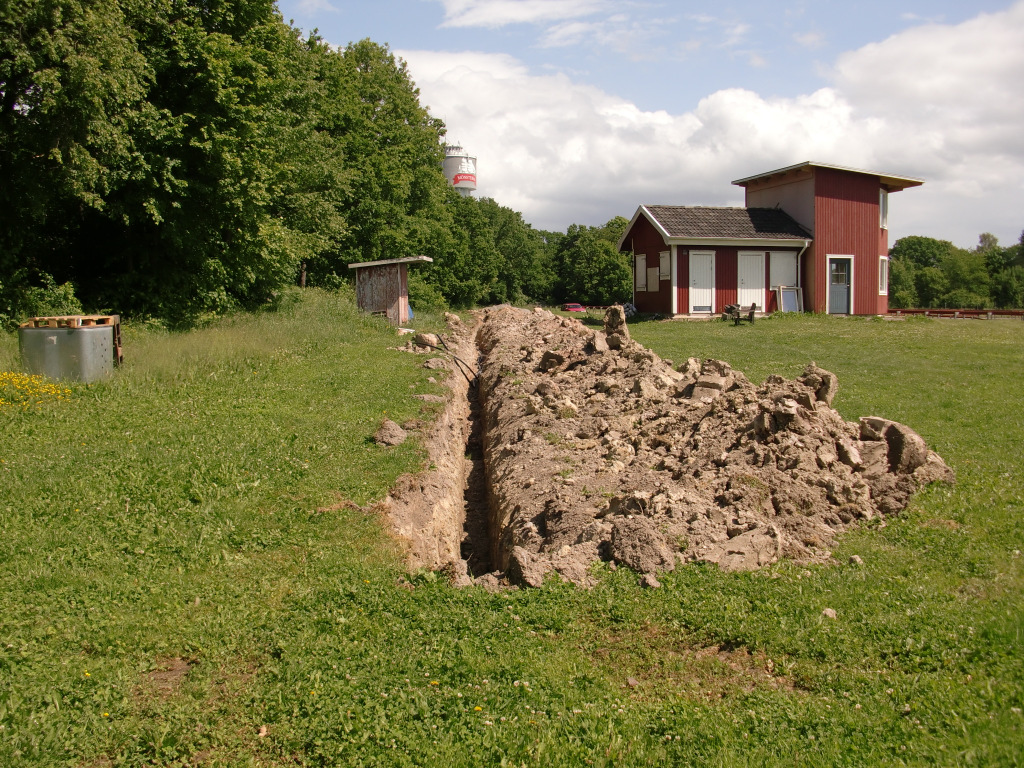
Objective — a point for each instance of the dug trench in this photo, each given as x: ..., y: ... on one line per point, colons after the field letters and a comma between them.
x: 562, y: 445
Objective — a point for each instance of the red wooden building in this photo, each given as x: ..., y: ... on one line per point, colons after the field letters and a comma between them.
x: 818, y: 228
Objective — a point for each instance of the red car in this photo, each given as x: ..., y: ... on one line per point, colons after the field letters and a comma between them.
x: 573, y: 308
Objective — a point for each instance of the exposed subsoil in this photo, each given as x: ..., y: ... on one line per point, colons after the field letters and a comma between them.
x: 573, y: 445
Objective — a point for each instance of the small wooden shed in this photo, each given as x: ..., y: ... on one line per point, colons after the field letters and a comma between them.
x: 382, y: 287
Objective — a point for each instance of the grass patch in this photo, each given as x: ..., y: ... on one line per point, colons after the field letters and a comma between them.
x: 188, y: 577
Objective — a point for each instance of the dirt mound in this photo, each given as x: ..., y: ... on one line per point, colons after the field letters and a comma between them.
x: 596, y: 448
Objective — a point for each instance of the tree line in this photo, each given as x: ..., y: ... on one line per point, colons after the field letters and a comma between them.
x: 178, y: 159
x: 925, y: 272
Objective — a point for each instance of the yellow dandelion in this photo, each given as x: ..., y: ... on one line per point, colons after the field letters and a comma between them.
x: 25, y: 390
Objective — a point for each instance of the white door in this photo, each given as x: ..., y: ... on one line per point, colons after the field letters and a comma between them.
x: 702, y: 282
x: 750, y: 279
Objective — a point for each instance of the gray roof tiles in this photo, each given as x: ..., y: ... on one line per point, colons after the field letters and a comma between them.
x: 727, y: 223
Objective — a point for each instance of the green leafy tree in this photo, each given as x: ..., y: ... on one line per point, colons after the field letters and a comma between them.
x: 902, y: 285
x: 932, y: 284
x: 394, y: 152
x: 456, y: 272
x: 309, y: 184
x: 424, y: 296
x: 996, y: 257
x: 613, y: 230
x: 921, y: 251
x: 967, y: 278
x: 73, y: 88
x: 1007, y: 285
x: 1008, y: 288
x: 147, y: 149
x: 590, y: 268
x: 523, y: 269
x: 921, y: 259
x: 1017, y: 256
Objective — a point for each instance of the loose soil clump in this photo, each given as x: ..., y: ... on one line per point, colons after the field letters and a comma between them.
x: 594, y: 448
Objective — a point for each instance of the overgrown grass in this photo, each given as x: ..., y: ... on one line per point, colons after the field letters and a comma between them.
x: 191, y: 509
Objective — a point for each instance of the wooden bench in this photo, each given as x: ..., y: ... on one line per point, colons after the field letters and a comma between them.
x: 735, y: 311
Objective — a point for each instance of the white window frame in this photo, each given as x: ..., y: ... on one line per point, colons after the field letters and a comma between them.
x: 674, y: 285
x: 883, y: 275
x: 772, y: 257
x: 883, y: 208
x: 665, y: 265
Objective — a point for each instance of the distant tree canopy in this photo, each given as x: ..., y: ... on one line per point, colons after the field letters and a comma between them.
x: 925, y: 272
x: 589, y: 267
x: 180, y: 158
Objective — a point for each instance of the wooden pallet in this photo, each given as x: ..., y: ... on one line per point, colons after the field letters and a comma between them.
x: 72, y: 321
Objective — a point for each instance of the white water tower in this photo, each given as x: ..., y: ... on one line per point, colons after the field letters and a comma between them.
x: 460, y: 168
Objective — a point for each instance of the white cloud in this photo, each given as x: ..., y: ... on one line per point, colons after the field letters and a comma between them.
x: 619, y: 33
x: 720, y: 33
x: 939, y: 102
x: 498, y: 13
x: 756, y: 60
x: 950, y: 99
x: 735, y: 34
x: 812, y: 39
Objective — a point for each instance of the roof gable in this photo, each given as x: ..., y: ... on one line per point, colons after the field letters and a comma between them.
x: 891, y: 182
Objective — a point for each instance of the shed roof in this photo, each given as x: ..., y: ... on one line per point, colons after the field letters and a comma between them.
x: 891, y: 181
x: 383, y: 262
x: 685, y: 222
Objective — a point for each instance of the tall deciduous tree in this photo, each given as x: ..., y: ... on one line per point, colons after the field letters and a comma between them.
x: 523, y: 269
x: 73, y: 88
x: 921, y: 251
x: 590, y: 268
x: 158, y: 152
x: 968, y: 280
x: 394, y: 152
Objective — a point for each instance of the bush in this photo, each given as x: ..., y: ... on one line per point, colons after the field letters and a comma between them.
x: 425, y: 297
x: 962, y: 298
x: 20, y: 302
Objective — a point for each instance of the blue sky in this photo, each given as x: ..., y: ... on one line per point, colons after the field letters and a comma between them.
x: 580, y: 110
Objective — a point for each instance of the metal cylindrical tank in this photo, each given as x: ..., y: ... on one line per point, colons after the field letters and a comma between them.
x: 460, y: 169
x: 85, y: 354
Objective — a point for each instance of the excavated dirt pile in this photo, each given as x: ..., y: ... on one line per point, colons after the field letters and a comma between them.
x: 573, y: 445
x: 597, y: 449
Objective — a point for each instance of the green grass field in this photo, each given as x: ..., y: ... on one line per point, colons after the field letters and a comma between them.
x: 190, y: 574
